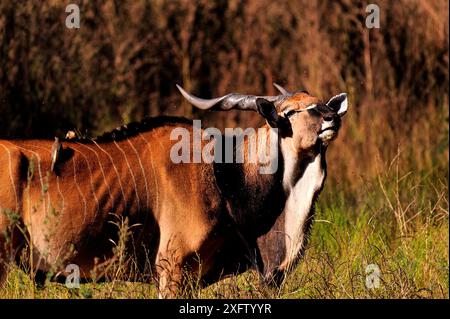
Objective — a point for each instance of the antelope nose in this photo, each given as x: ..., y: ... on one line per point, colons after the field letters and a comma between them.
x: 328, y: 118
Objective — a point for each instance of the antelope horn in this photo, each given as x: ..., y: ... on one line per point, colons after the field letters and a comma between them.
x: 281, y: 89
x: 286, y: 92
x: 227, y: 102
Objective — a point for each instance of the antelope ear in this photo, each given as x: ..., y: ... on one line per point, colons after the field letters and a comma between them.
x: 339, y: 103
x: 268, y: 111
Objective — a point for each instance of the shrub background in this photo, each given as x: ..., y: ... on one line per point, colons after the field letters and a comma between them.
x: 124, y: 61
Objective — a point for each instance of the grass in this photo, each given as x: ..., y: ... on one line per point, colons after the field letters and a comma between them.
x: 396, y: 222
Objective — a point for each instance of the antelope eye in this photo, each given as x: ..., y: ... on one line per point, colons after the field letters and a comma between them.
x: 290, y: 113
x: 314, y: 112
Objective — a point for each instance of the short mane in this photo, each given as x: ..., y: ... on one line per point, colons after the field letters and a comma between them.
x: 133, y: 128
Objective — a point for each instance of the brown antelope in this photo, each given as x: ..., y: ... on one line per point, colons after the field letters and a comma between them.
x: 228, y: 216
